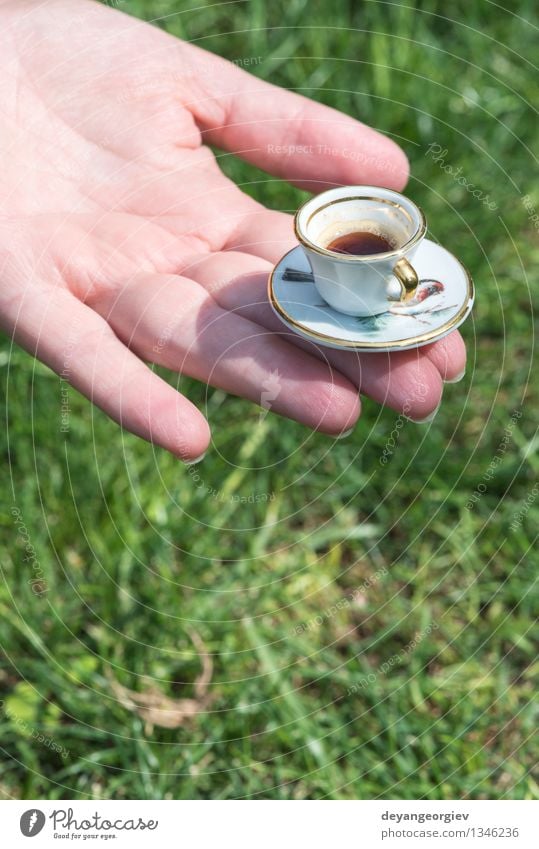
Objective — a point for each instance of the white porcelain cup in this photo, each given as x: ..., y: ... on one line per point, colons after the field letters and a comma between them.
x: 355, y: 284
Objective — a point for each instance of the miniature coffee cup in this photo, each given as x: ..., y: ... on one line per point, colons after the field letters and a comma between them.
x: 361, y: 284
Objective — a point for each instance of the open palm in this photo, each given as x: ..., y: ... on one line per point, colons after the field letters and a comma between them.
x: 121, y: 242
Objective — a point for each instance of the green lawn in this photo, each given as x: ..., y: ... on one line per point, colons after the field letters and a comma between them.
x: 370, y: 625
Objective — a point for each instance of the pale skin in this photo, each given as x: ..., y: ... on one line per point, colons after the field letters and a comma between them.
x: 122, y: 243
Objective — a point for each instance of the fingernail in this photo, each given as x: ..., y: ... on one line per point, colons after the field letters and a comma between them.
x: 458, y: 378
x: 196, y: 460
x: 428, y: 418
x: 344, y: 434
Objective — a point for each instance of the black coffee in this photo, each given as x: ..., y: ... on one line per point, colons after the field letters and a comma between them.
x: 360, y: 243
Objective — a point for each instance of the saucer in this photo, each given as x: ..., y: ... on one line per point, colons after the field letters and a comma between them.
x: 443, y: 301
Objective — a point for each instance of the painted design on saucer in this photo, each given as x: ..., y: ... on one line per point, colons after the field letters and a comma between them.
x: 442, y: 302
x: 428, y: 303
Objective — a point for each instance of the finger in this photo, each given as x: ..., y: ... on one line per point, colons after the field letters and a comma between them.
x: 406, y: 381
x: 81, y: 347
x: 449, y: 356
x: 173, y: 321
x: 265, y: 233
x: 288, y: 135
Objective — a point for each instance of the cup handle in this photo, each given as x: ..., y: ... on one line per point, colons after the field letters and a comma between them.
x: 407, y: 277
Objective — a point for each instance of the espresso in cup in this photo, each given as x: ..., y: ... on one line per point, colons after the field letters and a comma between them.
x: 360, y: 242
x: 364, y: 242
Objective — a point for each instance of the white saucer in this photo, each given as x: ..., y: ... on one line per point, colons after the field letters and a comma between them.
x: 446, y: 296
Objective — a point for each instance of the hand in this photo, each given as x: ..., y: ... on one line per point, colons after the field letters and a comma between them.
x: 122, y: 242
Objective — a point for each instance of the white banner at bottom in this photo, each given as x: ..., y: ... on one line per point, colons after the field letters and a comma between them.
x: 271, y: 824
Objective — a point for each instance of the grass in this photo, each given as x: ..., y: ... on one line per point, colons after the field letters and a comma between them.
x: 370, y: 625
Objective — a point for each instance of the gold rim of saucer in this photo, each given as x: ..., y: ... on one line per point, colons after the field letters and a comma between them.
x: 410, y: 341
x: 417, y: 236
